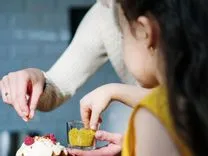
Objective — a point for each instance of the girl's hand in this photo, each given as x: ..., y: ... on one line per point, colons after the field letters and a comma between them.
x: 93, y: 104
x: 112, y: 149
x: 22, y: 90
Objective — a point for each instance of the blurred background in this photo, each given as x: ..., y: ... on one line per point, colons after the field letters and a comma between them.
x: 34, y: 33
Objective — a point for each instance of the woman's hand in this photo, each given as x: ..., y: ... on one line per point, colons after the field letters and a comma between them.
x: 112, y: 149
x: 22, y: 89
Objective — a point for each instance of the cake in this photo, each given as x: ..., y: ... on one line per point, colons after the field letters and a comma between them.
x: 41, y: 146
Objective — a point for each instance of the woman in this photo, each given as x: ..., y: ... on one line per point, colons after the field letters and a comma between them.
x: 97, y: 40
x: 165, y: 48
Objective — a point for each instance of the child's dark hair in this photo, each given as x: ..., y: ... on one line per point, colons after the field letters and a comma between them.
x: 184, y: 32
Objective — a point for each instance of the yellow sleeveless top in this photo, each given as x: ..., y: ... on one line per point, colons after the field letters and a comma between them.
x: 157, y: 104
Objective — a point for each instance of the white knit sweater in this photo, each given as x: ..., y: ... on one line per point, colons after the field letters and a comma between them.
x: 97, y: 40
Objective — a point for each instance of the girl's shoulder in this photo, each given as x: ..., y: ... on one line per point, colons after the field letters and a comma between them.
x: 154, y: 110
x: 152, y: 137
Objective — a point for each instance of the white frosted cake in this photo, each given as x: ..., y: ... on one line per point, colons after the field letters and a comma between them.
x: 41, y: 146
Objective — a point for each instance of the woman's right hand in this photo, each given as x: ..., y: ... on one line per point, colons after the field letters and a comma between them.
x: 22, y: 89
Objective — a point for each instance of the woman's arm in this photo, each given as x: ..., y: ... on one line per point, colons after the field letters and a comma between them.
x: 151, y: 137
x: 81, y: 60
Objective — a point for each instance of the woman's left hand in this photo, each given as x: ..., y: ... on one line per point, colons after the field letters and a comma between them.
x: 112, y: 149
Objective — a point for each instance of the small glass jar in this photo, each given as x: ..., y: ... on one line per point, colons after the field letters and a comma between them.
x: 79, y: 137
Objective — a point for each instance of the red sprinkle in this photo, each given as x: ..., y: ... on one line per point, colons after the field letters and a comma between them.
x: 51, y: 137
x: 29, y: 140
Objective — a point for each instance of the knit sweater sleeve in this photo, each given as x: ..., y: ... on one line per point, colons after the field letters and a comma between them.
x: 82, y: 58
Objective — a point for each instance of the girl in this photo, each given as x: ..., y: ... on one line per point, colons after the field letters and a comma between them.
x: 165, y: 48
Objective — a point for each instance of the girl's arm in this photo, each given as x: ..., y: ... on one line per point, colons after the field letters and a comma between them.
x: 128, y: 94
x: 94, y: 103
x: 151, y: 136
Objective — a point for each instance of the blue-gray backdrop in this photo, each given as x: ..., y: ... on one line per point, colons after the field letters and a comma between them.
x: 34, y: 33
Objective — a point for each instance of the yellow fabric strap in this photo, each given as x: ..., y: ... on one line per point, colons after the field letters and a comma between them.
x: 157, y: 104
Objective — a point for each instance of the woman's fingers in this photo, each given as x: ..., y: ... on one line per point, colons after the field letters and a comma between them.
x: 20, y: 94
x: 19, y: 112
x: 14, y: 89
x: 18, y: 85
x: 37, y: 90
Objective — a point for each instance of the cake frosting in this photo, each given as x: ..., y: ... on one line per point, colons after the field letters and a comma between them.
x: 41, y: 146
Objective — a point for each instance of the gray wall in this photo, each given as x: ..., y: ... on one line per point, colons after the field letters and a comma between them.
x: 34, y: 33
